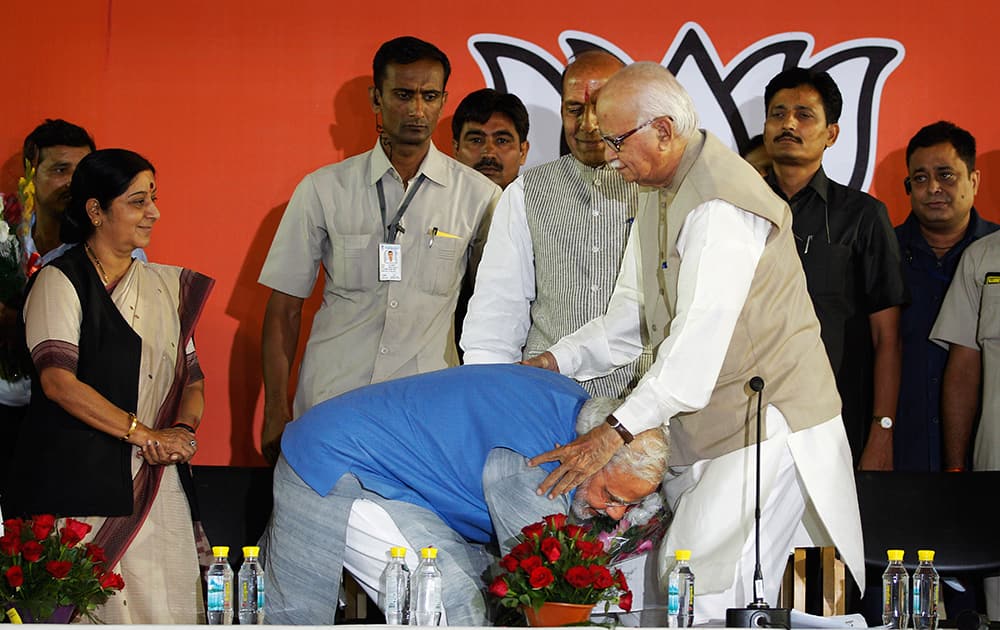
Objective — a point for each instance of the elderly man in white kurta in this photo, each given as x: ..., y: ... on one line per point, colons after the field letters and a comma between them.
x: 710, y: 278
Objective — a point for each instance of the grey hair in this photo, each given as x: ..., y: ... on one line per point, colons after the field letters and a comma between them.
x: 646, y: 457
x: 659, y: 94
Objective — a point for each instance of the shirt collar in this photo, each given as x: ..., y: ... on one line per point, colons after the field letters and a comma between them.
x: 433, y: 166
x: 910, y: 231
x: 590, y: 173
x: 819, y: 183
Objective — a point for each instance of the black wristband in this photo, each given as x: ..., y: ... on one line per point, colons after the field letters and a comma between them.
x: 186, y: 427
x: 619, y: 429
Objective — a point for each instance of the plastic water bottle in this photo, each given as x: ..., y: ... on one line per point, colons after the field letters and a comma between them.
x: 895, y: 591
x: 425, y: 591
x: 220, y: 588
x: 925, y: 592
x: 680, y: 592
x: 251, y: 581
x: 394, y: 589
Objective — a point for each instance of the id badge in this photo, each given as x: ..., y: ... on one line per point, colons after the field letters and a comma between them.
x: 390, y: 262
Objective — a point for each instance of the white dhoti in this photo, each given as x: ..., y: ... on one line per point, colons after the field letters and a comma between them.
x: 807, y: 495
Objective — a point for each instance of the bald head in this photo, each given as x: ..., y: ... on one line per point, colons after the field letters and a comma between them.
x: 588, y: 72
x: 652, y: 118
x: 657, y: 93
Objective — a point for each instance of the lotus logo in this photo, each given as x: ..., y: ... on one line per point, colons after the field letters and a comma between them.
x: 729, y: 97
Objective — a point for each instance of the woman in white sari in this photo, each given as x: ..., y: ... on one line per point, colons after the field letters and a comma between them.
x: 118, y: 393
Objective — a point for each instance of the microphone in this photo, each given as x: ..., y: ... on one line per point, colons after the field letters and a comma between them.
x: 757, y: 614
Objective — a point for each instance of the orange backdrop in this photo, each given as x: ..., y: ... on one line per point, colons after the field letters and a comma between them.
x: 234, y: 101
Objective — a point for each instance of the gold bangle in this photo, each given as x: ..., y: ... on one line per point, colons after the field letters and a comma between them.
x: 131, y: 427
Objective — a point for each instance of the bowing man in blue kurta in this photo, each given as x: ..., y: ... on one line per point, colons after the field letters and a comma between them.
x: 435, y: 459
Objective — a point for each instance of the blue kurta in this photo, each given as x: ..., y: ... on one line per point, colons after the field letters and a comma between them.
x: 424, y: 439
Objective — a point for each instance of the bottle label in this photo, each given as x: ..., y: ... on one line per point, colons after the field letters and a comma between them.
x: 260, y: 592
x: 218, y: 592
x: 673, y: 598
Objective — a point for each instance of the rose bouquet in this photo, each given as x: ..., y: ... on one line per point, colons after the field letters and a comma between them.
x: 43, y: 567
x: 555, y: 561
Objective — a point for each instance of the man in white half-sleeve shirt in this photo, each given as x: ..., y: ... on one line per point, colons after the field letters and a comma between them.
x: 395, y: 230
x: 556, y: 243
x: 711, y: 279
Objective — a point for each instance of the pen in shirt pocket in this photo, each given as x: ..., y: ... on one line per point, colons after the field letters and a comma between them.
x: 434, y: 233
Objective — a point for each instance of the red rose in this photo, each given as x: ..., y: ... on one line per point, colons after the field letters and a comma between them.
x: 625, y: 601
x: 499, y: 587
x: 551, y: 548
x: 32, y: 551
x: 11, y: 209
x: 13, y: 526
x: 73, y: 532
x: 540, y: 577
x: 531, y: 563
x: 10, y: 544
x: 572, y: 531
x: 95, y: 553
x: 555, y: 521
x: 521, y: 551
x: 578, y: 577
x: 58, y: 568
x: 533, y: 531
x: 42, y: 524
x: 509, y: 562
x: 602, y: 577
x: 15, y: 576
x: 112, y: 581
x: 590, y: 549
x: 620, y: 580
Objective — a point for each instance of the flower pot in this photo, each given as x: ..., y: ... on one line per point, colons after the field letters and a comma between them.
x: 552, y: 614
x: 62, y: 614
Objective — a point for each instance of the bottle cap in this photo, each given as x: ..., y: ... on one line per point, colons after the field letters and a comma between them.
x: 925, y: 555
x: 895, y: 555
x: 220, y: 551
x: 429, y: 552
x: 398, y: 552
x: 683, y: 554
x: 251, y: 552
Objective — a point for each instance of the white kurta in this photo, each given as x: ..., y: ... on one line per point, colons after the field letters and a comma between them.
x: 720, y: 246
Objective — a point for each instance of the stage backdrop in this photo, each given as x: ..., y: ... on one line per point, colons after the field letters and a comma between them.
x: 234, y: 101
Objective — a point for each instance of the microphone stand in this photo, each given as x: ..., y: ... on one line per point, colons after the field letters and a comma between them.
x: 757, y: 613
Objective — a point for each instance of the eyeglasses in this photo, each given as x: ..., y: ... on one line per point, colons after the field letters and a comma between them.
x: 615, y: 142
x: 618, y: 503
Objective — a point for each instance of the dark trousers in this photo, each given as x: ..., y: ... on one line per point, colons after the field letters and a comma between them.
x: 11, y: 419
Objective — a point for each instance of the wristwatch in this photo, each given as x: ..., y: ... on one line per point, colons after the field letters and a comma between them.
x: 626, y: 436
x: 883, y: 421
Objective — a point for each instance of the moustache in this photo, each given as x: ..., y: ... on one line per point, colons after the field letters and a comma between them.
x: 788, y: 134
x: 488, y: 163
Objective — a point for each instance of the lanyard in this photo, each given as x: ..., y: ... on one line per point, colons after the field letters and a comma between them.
x: 391, y: 227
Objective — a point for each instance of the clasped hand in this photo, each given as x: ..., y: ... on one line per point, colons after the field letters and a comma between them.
x: 169, y: 446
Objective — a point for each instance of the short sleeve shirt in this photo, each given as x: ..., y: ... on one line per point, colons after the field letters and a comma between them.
x: 970, y: 317
x: 917, y: 435
x: 369, y: 330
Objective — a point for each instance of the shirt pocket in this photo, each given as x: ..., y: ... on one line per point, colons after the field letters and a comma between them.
x: 442, y: 264
x: 989, y: 313
x: 355, y: 261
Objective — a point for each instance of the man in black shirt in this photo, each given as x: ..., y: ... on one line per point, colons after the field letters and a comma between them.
x: 850, y: 257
